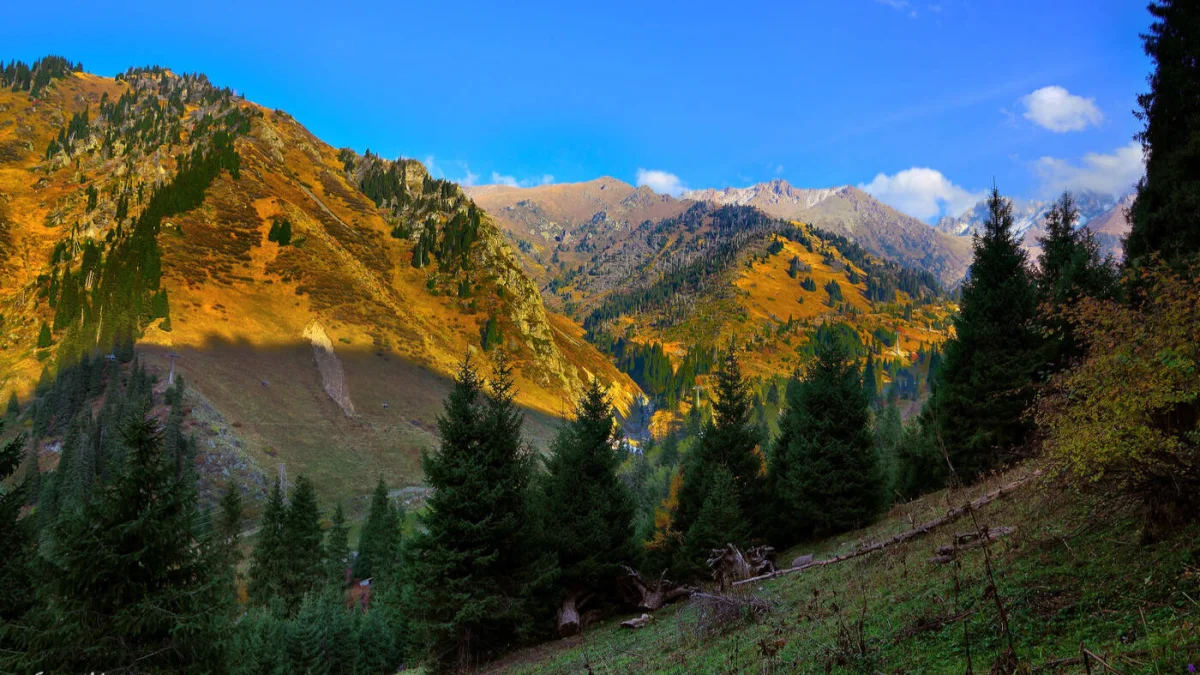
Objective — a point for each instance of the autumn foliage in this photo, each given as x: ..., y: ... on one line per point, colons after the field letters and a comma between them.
x: 1127, y: 416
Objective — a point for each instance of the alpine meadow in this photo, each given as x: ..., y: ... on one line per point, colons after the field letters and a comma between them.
x: 376, y: 338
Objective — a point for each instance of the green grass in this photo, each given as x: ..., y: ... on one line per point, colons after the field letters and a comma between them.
x: 1074, y: 572
x: 291, y: 420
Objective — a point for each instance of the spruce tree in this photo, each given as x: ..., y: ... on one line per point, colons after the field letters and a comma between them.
x: 730, y: 440
x: 14, y: 407
x: 129, y: 583
x: 1163, y: 216
x: 990, y: 366
x: 584, y: 510
x: 16, y: 589
x: 268, y: 568
x: 824, y: 470
x: 379, y: 542
x: 226, y: 532
x: 1069, y: 269
x: 337, y: 549
x: 44, y: 338
x: 468, y: 566
x: 720, y: 520
x: 302, y: 550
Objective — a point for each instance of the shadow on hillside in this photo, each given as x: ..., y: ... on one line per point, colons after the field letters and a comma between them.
x: 273, y: 398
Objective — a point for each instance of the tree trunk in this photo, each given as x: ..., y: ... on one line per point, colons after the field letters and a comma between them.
x: 730, y: 564
x: 568, y: 616
x: 651, y: 596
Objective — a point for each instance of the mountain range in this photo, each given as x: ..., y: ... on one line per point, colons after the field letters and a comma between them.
x: 319, y: 300
x: 1105, y: 215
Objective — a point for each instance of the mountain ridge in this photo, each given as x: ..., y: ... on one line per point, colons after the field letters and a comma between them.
x: 411, y: 274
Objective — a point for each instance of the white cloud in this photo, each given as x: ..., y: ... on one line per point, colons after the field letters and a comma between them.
x: 921, y: 192
x: 661, y: 182
x: 498, y: 179
x: 901, y: 5
x: 512, y: 181
x: 1059, y: 110
x: 1111, y: 174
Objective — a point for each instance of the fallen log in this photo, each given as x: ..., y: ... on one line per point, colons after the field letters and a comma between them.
x: 568, y: 619
x: 920, y: 530
x: 969, y: 540
x: 730, y: 564
x: 644, y: 595
x: 639, y: 622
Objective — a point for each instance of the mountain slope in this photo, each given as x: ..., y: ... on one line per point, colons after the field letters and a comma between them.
x: 558, y: 227
x: 154, y: 204
x: 854, y: 214
x: 714, y: 276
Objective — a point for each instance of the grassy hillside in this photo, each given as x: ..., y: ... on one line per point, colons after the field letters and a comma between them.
x: 392, y: 275
x: 1072, y: 573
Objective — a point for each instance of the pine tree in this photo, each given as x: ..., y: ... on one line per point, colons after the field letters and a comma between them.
x: 468, y: 565
x: 16, y: 588
x: 870, y: 379
x: 490, y: 337
x: 990, y: 366
x: 44, y: 338
x: 824, y: 470
x: 730, y: 440
x: 1163, y: 216
x: 14, y: 406
x: 1069, y: 269
x: 268, y: 568
x: 720, y: 520
x: 128, y: 581
x: 584, y: 510
x: 302, y: 544
x: 379, y: 542
x: 226, y: 531
x: 337, y: 549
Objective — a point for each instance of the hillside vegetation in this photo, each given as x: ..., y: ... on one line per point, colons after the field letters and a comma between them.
x: 160, y: 208
x: 1071, y: 574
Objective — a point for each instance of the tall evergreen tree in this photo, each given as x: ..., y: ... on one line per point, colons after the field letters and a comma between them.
x: 227, y: 530
x: 730, y: 440
x: 302, y: 549
x: 468, y: 564
x: 1163, y: 217
x: 268, y: 568
x: 14, y: 406
x: 584, y: 510
x: 379, y: 542
x: 1069, y: 268
x: 824, y: 470
x: 129, y: 585
x: 720, y: 520
x: 16, y: 588
x: 988, y: 374
x: 337, y: 548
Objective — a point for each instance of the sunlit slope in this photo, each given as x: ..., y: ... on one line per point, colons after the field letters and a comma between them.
x: 344, y: 281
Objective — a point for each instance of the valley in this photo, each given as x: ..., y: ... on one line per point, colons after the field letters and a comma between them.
x: 637, y: 369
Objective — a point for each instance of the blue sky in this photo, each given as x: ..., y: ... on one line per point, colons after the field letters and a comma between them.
x: 923, y: 102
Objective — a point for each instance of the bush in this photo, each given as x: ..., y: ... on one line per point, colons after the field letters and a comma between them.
x: 1128, y: 415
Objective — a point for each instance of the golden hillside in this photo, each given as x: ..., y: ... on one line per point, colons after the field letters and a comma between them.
x: 330, y: 349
